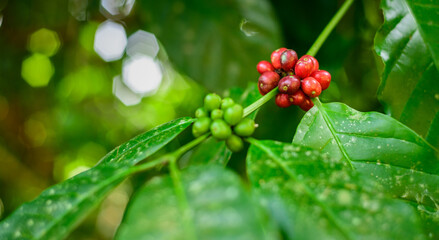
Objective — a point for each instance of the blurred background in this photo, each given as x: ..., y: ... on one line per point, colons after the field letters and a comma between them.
x: 80, y: 77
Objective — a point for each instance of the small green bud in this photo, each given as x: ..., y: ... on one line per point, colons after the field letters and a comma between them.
x: 201, y: 126
x: 233, y: 114
x: 234, y: 143
x: 227, y: 102
x: 212, y: 101
x: 200, y: 112
x: 245, y: 128
x: 216, y: 114
x: 220, y: 129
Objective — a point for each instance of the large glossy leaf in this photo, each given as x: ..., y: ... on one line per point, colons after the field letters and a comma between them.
x: 408, y: 44
x: 218, y: 206
x: 322, y: 198
x: 217, y: 42
x: 377, y: 145
x: 60, y: 208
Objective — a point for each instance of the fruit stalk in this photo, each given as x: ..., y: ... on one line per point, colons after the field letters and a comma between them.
x: 328, y: 29
x: 312, y: 52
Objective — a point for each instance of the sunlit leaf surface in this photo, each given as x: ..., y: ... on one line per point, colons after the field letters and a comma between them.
x: 409, y: 47
x: 60, y: 208
x: 218, y: 206
x: 316, y: 197
x: 376, y: 145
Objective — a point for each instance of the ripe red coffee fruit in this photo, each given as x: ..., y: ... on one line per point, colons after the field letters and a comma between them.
x: 311, y: 87
x: 297, y: 98
x: 264, y: 66
x: 288, y: 60
x: 307, y: 104
x: 323, y: 77
x: 306, y: 66
x: 316, y: 64
x: 289, y: 84
x: 282, y: 100
x: 267, y: 82
x: 275, y: 57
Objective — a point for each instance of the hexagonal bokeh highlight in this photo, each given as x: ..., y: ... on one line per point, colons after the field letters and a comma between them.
x: 124, y: 94
x: 142, y: 42
x: 116, y: 9
x: 37, y: 70
x: 44, y: 41
x: 110, y: 41
x: 142, y: 74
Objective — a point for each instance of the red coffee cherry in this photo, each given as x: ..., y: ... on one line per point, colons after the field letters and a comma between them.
x: 264, y: 66
x: 323, y: 77
x: 297, y: 98
x: 282, y: 100
x: 307, y: 104
x: 267, y: 82
x: 305, y: 66
x: 311, y: 87
x: 316, y: 64
x: 275, y: 58
x: 289, y: 84
x: 288, y: 59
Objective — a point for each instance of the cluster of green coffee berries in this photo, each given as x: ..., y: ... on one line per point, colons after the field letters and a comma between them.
x: 224, y: 119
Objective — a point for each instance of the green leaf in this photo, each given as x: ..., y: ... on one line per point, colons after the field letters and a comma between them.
x: 376, y: 145
x: 218, y: 42
x: 407, y: 43
x: 211, y: 151
x: 60, y: 208
x: 322, y: 198
x: 218, y: 206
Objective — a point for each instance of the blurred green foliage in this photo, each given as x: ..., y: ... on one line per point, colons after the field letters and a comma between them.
x: 58, y: 113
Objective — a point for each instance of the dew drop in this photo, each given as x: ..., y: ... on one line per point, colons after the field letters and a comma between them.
x: 247, y: 28
x: 30, y: 222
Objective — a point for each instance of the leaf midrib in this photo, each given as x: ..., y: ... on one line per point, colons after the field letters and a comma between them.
x: 118, y: 157
x: 323, y: 113
x: 410, y: 11
x: 329, y: 213
x: 81, y: 199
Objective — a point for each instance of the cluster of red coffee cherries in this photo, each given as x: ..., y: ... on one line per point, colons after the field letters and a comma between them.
x: 298, y: 80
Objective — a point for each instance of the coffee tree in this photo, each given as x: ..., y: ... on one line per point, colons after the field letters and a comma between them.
x: 346, y: 174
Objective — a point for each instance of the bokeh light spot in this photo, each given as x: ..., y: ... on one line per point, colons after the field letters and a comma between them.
x: 142, y: 42
x: 116, y: 8
x: 87, y: 35
x: 124, y: 94
x: 44, y: 41
x: 37, y: 70
x: 142, y: 74
x: 35, y: 131
x: 110, y: 41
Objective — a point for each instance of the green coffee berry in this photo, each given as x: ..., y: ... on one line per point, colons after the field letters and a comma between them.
x: 234, y: 143
x: 216, y: 114
x: 212, y: 101
x: 201, y: 126
x: 245, y: 128
x: 201, y: 112
x: 227, y: 102
x: 220, y: 129
x: 233, y: 114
